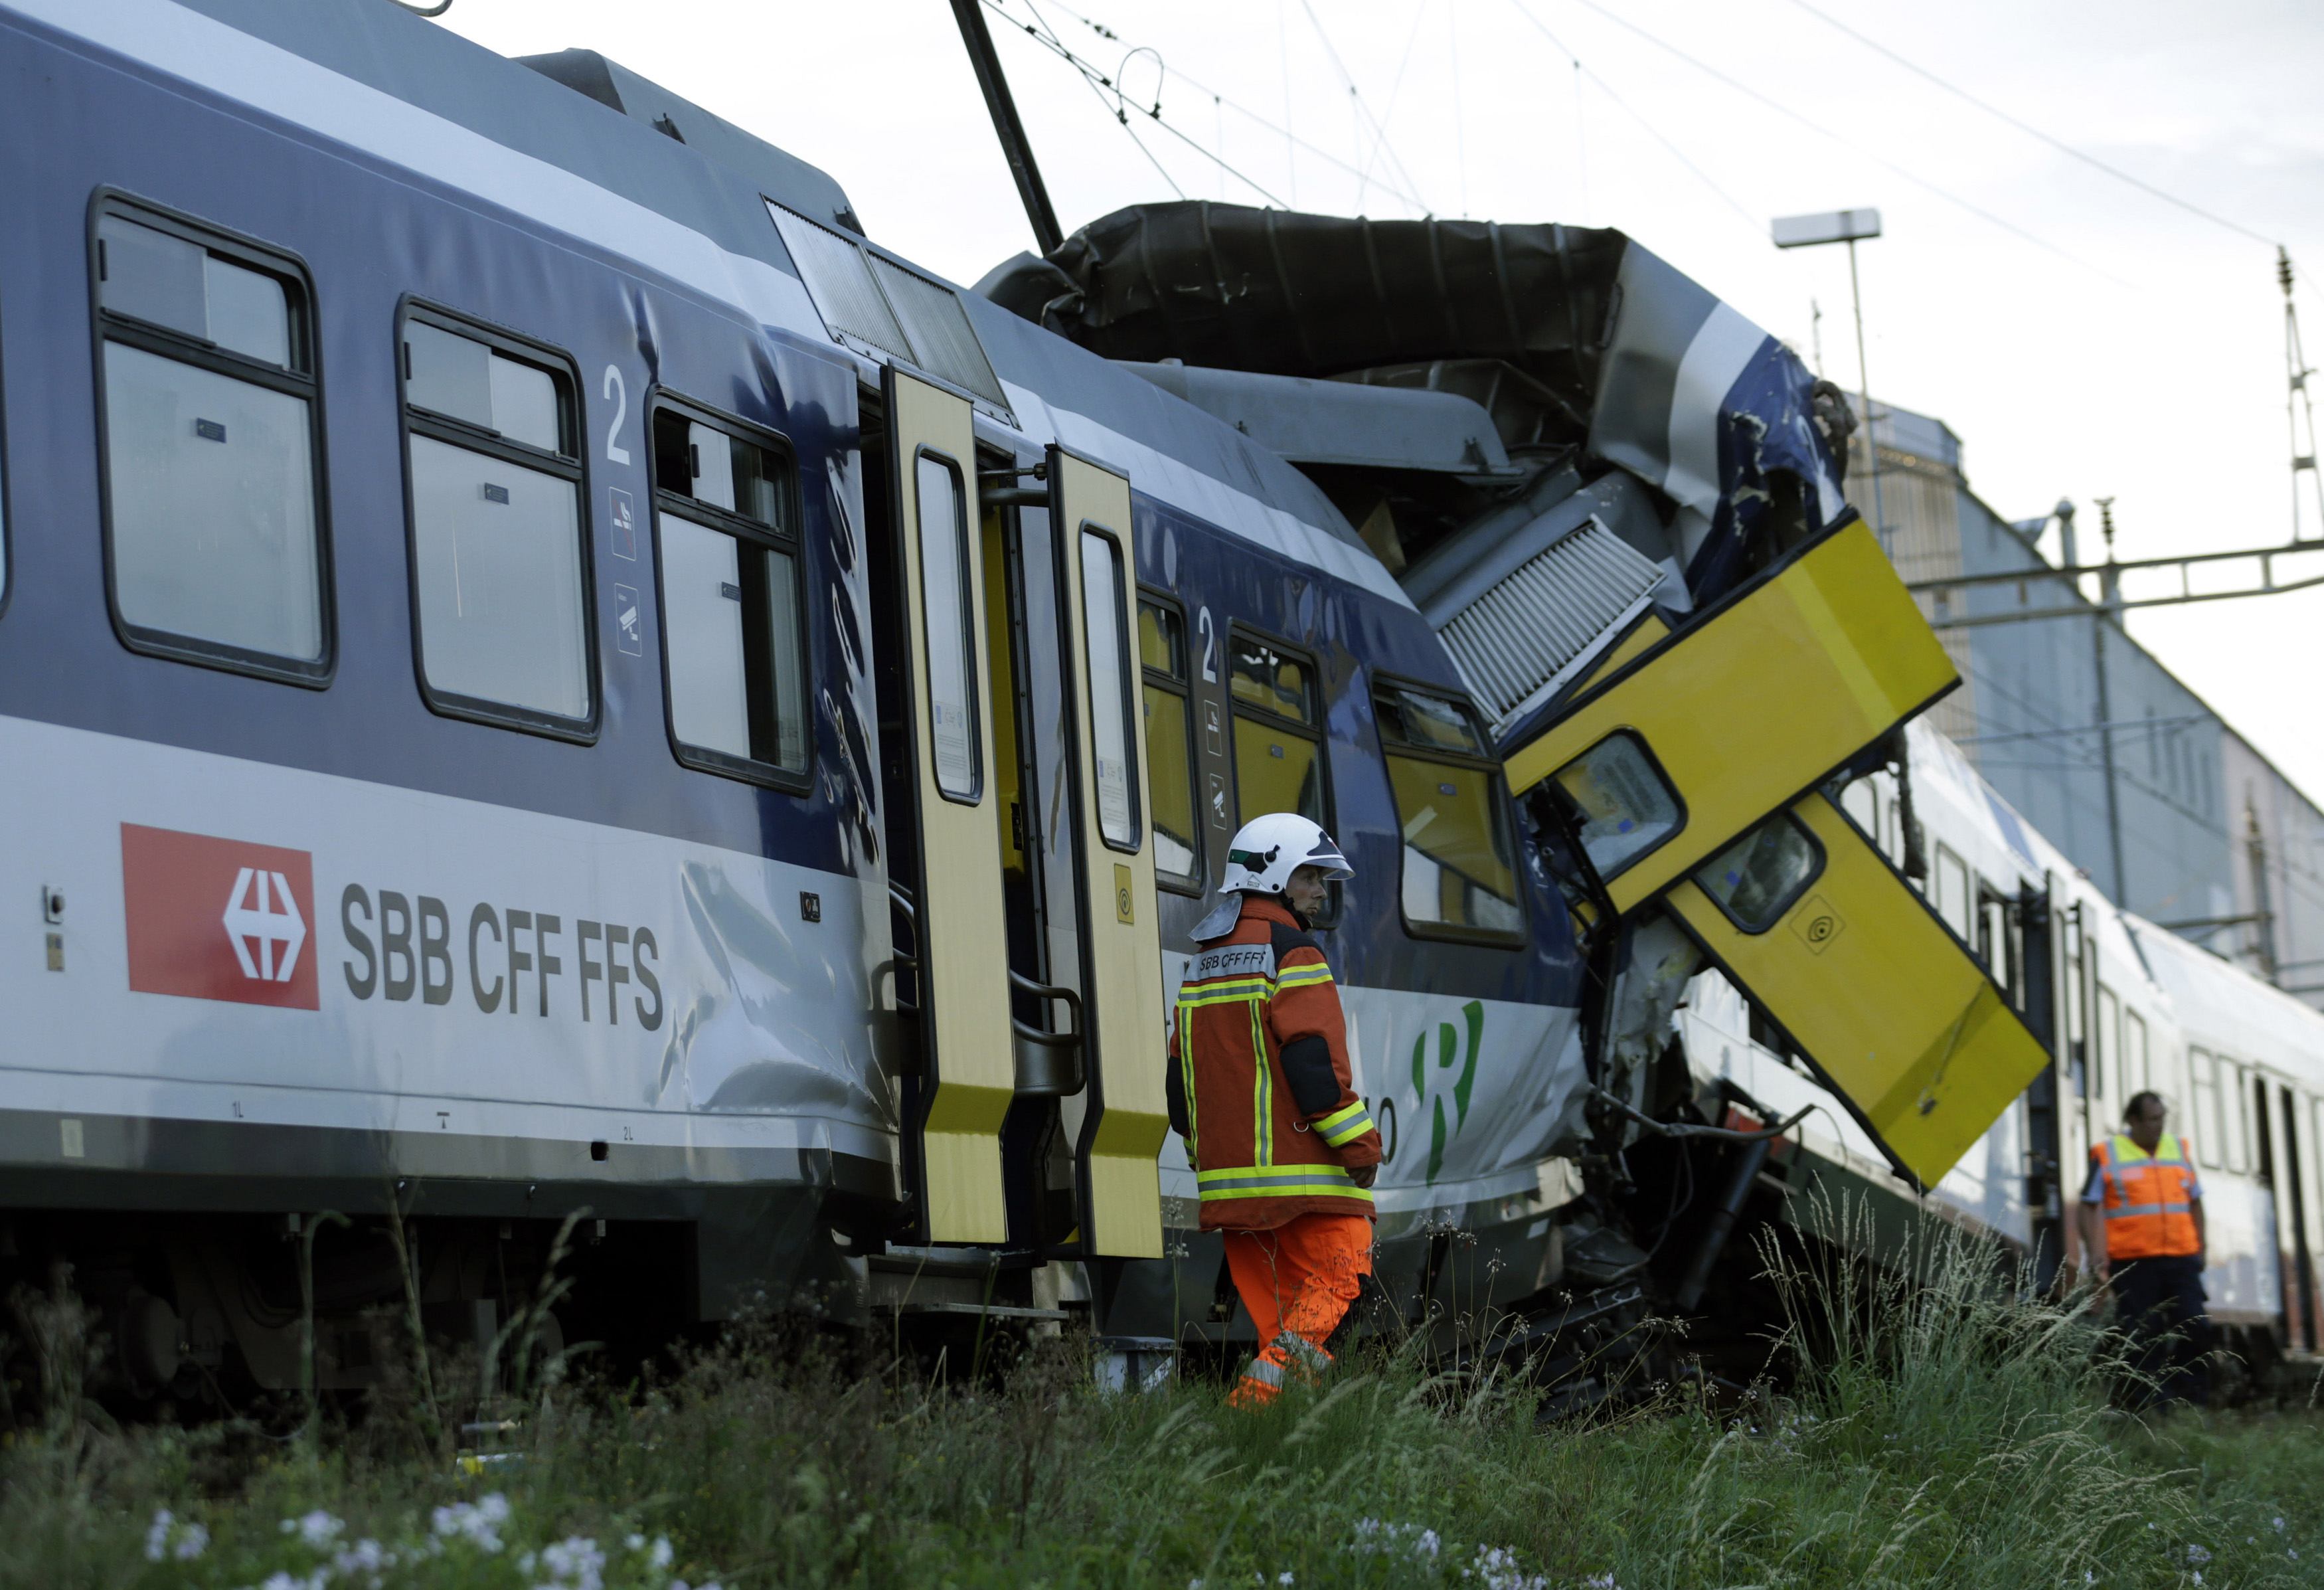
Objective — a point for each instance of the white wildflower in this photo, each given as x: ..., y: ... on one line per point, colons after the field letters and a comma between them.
x: 1284, y: 1577
x: 635, y: 1542
x: 477, y: 1523
x: 659, y: 1556
x: 319, y: 1529
x: 191, y: 1544
x: 573, y: 1563
x: 2197, y: 1554
x: 367, y: 1556
x: 1599, y: 1582
x: 2279, y: 1526
x: 158, y: 1537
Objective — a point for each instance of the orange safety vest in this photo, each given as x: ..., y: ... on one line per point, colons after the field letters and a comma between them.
x: 2148, y: 1199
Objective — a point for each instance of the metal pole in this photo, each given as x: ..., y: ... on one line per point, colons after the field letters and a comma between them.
x: 1014, y: 145
x: 1864, y: 391
x: 2108, y: 589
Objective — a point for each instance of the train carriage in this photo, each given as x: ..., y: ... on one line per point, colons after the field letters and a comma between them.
x: 552, y: 683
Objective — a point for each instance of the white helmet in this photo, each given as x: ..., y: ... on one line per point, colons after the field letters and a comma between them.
x: 1268, y: 849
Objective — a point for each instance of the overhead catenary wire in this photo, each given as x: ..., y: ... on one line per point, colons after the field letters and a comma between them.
x: 1743, y: 211
x: 1846, y: 141
x: 1348, y: 81
x: 1049, y: 40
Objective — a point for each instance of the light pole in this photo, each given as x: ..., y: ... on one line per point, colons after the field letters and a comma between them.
x: 1846, y: 225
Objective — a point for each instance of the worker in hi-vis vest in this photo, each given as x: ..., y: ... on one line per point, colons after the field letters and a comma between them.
x: 1283, y: 1150
x: 2142, y: 1230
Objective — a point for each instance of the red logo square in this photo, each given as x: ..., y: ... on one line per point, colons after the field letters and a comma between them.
x: 219, y: 919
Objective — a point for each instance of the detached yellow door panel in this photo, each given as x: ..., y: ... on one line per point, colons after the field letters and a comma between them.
x: 1124, y: 1115
x: 1669, y: 756
x: 1807, y: 918
x: 970, y: 1075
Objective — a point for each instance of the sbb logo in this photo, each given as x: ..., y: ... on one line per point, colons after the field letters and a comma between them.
x: 218, y: 919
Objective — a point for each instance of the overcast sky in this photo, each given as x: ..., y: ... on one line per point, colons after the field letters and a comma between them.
x: 2083, y: 339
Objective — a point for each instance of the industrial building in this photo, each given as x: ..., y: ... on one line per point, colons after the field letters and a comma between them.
x: 2160, y: 802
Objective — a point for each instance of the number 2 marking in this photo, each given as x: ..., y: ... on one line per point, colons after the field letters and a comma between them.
x: 614, y: 388
x: 1204, y: 628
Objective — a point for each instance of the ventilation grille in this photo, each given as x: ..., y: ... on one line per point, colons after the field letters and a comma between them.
x: 1522, y: 635
x: 866, y: 298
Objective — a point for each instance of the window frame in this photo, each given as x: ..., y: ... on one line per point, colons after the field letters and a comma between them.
x: 1129, y: 671
x: 1798, y: 894
x: 1184, y: 689
x: 1318, y: 733
x: 1662, y: 775
x: 1448, y: 933
x: 162, y: 342
x: 660, y: 399
x: 2203, y: 1107
x: 968, y: 530
x: 453, y: 432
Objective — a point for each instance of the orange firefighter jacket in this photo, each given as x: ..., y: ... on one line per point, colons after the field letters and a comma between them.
x: 1259, y: 1085
x: 2148, y: 1199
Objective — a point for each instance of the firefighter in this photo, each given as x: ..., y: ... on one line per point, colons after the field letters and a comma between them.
x: 2143, y: 1228
x: 1283, y: 1150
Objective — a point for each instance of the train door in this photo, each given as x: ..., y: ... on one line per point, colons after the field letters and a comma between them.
x: 1806, y: 915
x: 1119, y: 1120
x: 1032, y: 1096
x: 2285, y: 1175
x: 944, y: 825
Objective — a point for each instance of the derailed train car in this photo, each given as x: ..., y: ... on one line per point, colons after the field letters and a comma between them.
x: 551, y: 677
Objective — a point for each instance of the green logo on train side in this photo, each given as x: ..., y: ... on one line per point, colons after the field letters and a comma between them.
x: 1454, y: 1074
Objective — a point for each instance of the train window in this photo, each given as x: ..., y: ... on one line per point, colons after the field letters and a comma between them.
x: 1460, y: 867
x: 1619, y: 802
x: 1169, y: 742
x: 2106, y: 1065
x: 1861, y: 801
x: 944, y: 601
x: 1279, y: 743
x: 1756, y: 879
x: 1952, y: 878
x: 2234, y: 1132
x: 498, y: 564
x: 733, y: 628
x: 212, y: 458
x: 2136, y: 1075
x: 1105, y: 647
x: 2203, y: 1086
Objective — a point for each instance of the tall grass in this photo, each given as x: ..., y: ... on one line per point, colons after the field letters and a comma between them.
x: 1937, y: 1431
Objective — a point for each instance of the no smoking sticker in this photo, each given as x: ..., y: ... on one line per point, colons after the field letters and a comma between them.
x: 1817, y: 924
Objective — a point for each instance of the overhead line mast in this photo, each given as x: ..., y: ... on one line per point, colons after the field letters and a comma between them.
x: 1014, y: 145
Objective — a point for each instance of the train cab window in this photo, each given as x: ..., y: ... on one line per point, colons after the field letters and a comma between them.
x: 944, y: 601
x: 732, y: 645
x: 498, y: 567
x: 2203, y: 1090
x: 211, y: 451
x: 1759, y: 877
x: 1620, y: 804
x: 1169, y: 742
x: 1279, y: 740
x: 1459, y: 868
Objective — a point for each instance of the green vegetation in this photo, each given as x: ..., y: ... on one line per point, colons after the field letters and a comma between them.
x: 1936, y: 1435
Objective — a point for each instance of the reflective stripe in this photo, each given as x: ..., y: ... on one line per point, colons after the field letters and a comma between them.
x: 1241, y: 991
x: 1278, y: 1181
x: 1186, y: 1060
x: 1300, y: 976
x: 1269, y: 1375
x: 2132, y: 1211
x: 1342, y: 1127
x: 1292, y: 1344
x: 1262, y: 1094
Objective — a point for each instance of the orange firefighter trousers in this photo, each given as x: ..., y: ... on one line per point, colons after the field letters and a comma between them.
x: 1297, y: 1281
